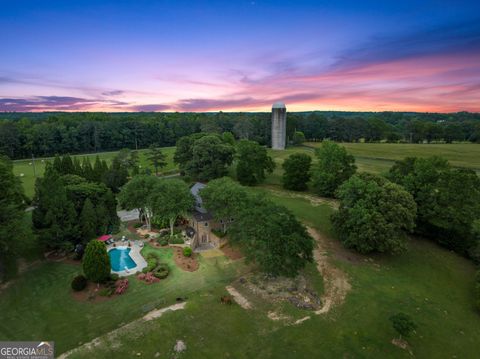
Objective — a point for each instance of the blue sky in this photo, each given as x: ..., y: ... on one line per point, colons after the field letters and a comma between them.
x: 239, y: 55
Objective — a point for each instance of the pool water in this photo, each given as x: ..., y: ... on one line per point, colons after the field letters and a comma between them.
x: 120, y: 259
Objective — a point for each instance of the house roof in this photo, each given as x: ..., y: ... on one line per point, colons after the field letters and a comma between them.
x: 202, y: 216
x: 195, y: 191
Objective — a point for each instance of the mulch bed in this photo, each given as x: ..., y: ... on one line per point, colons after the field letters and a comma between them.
x: 131, y: 226
x: 232, y: 252
x: 189, y: 264
x: 90, y: 294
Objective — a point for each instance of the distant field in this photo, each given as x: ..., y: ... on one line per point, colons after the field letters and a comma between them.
x: 24, y: 168
x: 379, y: 157
x: 370, y: 157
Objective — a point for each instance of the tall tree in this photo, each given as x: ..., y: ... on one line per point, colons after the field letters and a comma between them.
x: 54, y: 217
x: 11, y: 212
x: 88, y: 221
x: 210, y: 159
x: 296, y: 171
x: 224, y: 198
x: 171, y: 199
x: 252, y: 162
x: 375, y: 214
x: 272, y: 237
x: 157, y: 158
x: 448, y: 200
x: 334, y: 167
x: 138, y: 194
x: 116, y: 176
x: 96, y: 263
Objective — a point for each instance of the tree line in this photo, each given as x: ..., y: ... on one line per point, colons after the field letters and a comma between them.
x: 426, y: 196
x: 48, y: 134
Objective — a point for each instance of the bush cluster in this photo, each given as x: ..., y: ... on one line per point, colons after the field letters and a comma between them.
x: 154, y: 267
x: 79, y: 283
x: 161, y: 271
x: 162, y: 241
x: 187, y: 252
x: 176, y: 239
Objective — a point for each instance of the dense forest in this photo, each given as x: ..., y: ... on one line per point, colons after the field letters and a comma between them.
x: 45, y: 134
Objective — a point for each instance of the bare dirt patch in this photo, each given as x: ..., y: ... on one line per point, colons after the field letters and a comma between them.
x: 314, y: 200
x: 237, y: 297
x: 402, y: 344
x: 232, y: 253
x: 189, y: 264
x: 335, y: 281
x: 277, y: 289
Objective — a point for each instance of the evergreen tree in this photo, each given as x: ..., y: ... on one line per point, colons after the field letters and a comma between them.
x: 54, y: 217
x: 77, y: 166
x: 96, y: 263
x: 98, y: 170
x: 88, y: 222
x: 157, y: 158
x: 87, y: 170
x: 57, y: 164
x: 67, y: 165
x: 11, y: 213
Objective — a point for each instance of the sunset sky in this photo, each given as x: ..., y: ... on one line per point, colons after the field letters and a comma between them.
x: 239, y: 55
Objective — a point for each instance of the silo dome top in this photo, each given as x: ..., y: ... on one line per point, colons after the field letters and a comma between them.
x: 278, y: 104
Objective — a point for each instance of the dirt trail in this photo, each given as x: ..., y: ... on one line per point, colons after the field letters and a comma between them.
x: 237, y: 297
x: 111, y: 336
x: 314, y: 200
x: 335, y: 281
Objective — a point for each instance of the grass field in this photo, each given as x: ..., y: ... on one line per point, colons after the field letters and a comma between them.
x: 379, y: 157
x: 25, y: 168
x: 431, y: 284
x: 370, y: 157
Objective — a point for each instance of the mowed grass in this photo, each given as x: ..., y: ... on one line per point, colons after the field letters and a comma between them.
x: 25, y: 168
x: 431, y: 284
x: 379, y: 157
x: 39, y: 304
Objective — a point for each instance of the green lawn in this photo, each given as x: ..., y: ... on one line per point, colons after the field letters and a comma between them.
x: 379, y: 157
x: 431, y: 284
x: 39, y: 306
x: 25, y: 168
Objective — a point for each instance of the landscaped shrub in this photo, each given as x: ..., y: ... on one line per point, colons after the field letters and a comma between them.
x: 187, y: 252
x: 153, y: 255
x: 96, y: 263
x: 176, y: 239
x: 151, y: 264
x: 146, y: 236
x: 138, y: 225
x: 79, y: 283
x: 148, y: 278
x: 121, y: 286
x: 162, y: 241
x: 161, y: 271
x: 114, y: 277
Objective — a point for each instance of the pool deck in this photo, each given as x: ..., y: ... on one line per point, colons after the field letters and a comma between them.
x: 135, y: 255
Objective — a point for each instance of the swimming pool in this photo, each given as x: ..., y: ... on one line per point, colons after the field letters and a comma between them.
x: 120, y: 259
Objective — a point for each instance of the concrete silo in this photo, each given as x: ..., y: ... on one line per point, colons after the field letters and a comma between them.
x: 279, y: 125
